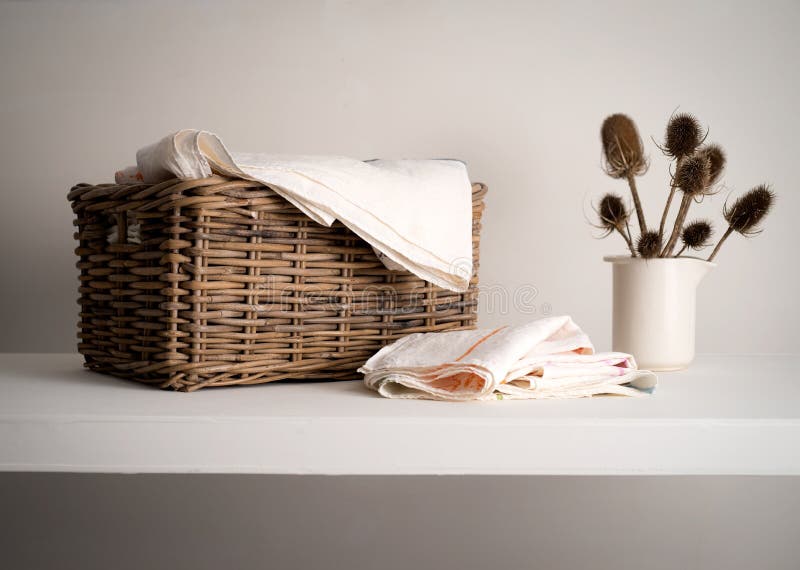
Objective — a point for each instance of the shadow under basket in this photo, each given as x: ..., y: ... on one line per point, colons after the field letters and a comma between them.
x: 217, y: 282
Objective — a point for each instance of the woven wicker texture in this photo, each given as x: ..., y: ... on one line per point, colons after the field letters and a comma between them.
x: 231, y: 284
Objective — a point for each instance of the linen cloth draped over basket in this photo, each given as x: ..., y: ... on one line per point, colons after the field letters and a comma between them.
x: 416, y: 213
x: 231, y: 283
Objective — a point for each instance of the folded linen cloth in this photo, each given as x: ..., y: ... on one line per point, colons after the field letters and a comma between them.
x: 547, y: 358
x: 416, y: 213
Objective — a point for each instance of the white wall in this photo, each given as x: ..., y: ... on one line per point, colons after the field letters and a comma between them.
x: 518, y: 89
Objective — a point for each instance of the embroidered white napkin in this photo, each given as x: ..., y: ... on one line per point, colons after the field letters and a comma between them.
x: 417, y: 213
x: 547, y: 358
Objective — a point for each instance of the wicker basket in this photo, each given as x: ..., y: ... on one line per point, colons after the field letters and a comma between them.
x: 231, y: 284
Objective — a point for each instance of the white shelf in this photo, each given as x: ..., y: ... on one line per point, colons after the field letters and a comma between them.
x: 725, y: 415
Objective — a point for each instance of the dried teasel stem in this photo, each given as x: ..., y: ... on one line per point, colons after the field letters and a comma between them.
x: 728, y: 232
x: 666, y: 210
x: 692, y: 178
x: 627, y: 238
x: 672, y: 188
x: 626, y: 235
x: 637, y: 204
x: 683, y: 209
x: 628, y: 241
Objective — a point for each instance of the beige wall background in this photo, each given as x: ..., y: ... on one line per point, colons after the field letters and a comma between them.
x: 517, y: 89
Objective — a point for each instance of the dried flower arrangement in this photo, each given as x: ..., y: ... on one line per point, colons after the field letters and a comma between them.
x: 697, y: 171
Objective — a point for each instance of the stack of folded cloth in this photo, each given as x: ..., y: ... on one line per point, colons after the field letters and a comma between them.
x: 547, y: 358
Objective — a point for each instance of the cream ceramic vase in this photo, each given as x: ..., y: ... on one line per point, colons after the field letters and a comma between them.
x: 654, y: 309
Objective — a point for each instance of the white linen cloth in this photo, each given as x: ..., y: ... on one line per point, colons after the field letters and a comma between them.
x: 547, y: 358
x: 416, y: 213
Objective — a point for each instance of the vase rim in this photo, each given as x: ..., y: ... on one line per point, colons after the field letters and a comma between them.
x: 629, y: 259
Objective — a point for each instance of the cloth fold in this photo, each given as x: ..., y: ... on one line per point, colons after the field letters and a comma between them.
x: 416, y: 213
x: 547, y: 358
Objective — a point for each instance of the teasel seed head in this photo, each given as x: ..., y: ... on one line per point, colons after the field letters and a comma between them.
x: 649, y: 244
x: 716, y: 161
x: 697, y: 234
x: 693, y: 174
x: 684, y: 134
x: 749, y: 209
x: 612, y: 213
x: 622, y: 147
